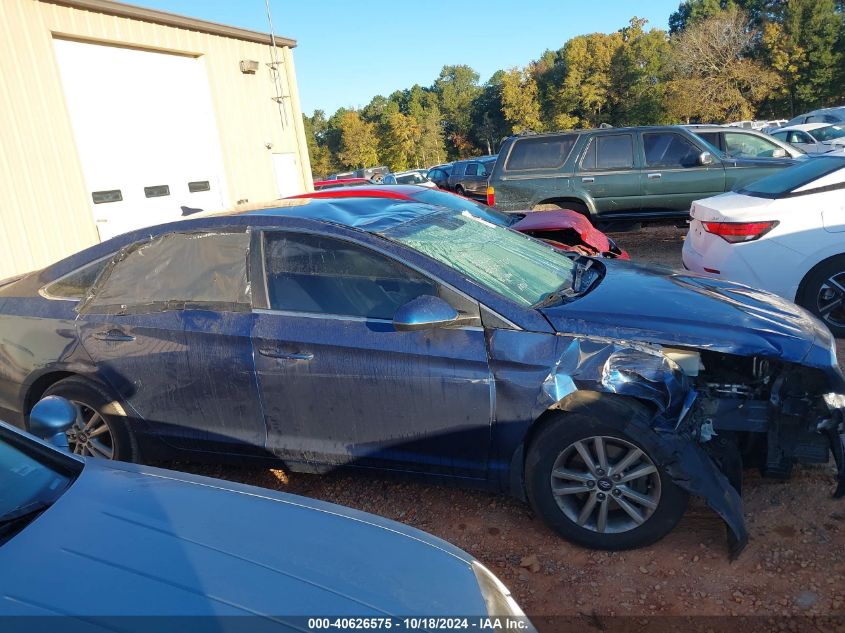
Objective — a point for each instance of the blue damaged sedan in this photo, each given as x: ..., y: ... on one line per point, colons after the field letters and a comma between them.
x: 94, y: 539
x: 365, y: 333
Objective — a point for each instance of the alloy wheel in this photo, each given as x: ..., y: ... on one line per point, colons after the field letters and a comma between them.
x: 831, y: 300
x: 90, y: 435
x: 605, y: 484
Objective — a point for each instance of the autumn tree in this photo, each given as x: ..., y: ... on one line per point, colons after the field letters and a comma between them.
x: 401, y: 141
x: 359, y: 143
x: 714, y: 77
x: 519, y: 101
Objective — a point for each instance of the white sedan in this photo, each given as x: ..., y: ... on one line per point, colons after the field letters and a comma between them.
x: 814, y: 138
x: 784, y: 234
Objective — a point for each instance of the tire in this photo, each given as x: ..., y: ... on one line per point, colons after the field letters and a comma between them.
x: 93, y: 402
x: 460, y: 191
x: 818, y: 292
x: 556, y: 447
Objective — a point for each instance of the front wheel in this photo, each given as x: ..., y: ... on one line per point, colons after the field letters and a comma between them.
x: 594, y: 483
x: 822, y: 292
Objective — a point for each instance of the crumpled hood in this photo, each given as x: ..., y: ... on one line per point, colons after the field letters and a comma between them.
x: 127, y: 539
x: 657, y: 305
x: 563, y: 219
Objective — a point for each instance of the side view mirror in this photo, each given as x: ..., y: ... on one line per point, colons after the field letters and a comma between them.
x: 779, y: 153
x: 425, y: 312
x: 50, y: 418
x: 705, y: 158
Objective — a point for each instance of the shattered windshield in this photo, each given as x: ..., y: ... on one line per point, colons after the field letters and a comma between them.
x: 508, y: 263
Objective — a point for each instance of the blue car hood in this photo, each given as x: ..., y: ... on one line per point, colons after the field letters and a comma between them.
x: 655, y: 305
x: 126, y: 539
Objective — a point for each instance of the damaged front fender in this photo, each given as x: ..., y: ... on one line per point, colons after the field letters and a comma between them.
x: 579, y: 366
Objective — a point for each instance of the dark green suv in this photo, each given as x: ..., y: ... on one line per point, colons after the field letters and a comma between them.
x: 618, y: 173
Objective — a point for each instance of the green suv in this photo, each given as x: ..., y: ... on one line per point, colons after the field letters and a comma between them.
x: 615, y: 174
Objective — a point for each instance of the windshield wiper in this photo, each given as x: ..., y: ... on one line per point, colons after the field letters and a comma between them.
x: 12, y: 522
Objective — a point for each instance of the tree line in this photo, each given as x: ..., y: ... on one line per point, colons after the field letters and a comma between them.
x: 720, y: 61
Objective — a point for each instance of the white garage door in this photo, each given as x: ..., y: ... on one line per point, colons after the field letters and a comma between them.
x: 145, y: 132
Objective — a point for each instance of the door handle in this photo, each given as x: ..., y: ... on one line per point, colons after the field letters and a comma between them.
x: 272, y: 352
x: 654, y: 176
x: 115, y: 336
x: 588, y: 179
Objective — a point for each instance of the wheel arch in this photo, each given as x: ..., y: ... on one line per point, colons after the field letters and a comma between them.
x: 562, y: 201
x: 824, y: 260
x: 597, y: 403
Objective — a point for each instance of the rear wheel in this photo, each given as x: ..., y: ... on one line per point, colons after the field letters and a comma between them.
x: 96, y: 432
x: 594, y: 482
x: 460, y: 190
x: 822, y: 292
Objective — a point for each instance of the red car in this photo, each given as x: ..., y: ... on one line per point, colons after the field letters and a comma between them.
x: 567, y: 230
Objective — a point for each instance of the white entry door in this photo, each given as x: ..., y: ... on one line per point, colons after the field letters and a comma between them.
x: 288, y: 177
x: 145, y: 132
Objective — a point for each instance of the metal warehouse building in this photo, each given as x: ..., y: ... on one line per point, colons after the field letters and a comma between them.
x: 114, y: 117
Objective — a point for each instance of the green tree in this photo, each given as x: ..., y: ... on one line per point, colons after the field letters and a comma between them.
x: 583, y: 98
x: 359, y: 143
x: 457, y: 87
x: 691, y: 11
x: 714, y: 76
x: 400, y: 141
x: 637, y: 76
x: 804, y: 47
x: 519, y: 101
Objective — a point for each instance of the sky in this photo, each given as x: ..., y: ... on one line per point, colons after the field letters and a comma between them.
x: 348, y: 52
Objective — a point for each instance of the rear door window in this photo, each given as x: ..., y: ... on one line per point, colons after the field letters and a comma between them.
x: 75, y: 285
x: 175, y: 271
x: 669, y: 150
x: 542, y: 152
x: 608, y: 152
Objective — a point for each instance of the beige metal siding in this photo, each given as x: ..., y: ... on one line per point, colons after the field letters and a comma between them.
x: 46, y: 210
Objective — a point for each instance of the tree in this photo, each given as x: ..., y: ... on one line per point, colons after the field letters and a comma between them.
x: 583, y: 98
x: 488, y: 120
x: 691, y: 11
x: 714, y: 77
x: 401, y: 140
x: 321, y: 158
x: 359, y: 144
x: 802, y: 46
x: 519, y: 101
x: 637, y: 74
x: 457, y: 87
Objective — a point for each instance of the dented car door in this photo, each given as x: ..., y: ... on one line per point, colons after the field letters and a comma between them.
x: 167, y: 324
x: 341, y: 386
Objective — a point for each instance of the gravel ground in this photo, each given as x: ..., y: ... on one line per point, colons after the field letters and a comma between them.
x: 794, y: 564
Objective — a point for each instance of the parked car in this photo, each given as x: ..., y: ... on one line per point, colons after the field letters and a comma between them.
x: 439, y: 175
x: 566, y: 230
x: 618, y: 174
x: 341, y: 175
x: 783, y: 234
x: 407, y: 337
x: 375, y: 174
x: 411, y: 177
x: 771, y: 126
x: 741, y: 143
x: 155, y: 542
x: 814, y: 138
x: 822, y: 115
x: 469, y: 177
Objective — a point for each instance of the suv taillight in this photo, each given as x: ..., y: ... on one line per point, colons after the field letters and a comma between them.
x: 736, y: 232
x: 491, y: 196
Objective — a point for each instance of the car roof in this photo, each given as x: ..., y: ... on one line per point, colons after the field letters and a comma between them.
x: 804, y: 127
x: 371, y: 214
x: 604, y: 130
x: 715, y: 127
